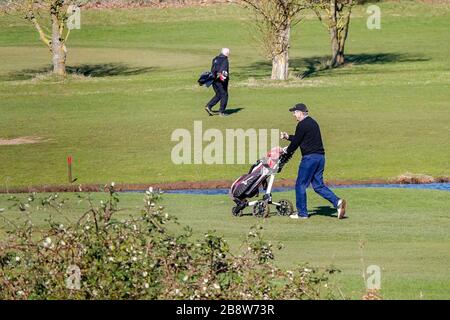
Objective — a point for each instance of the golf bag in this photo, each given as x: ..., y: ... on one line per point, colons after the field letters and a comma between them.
x: 206, y: 79
x: 260, y: 176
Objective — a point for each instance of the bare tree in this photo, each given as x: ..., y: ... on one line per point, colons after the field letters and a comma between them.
x: 274, y: 20
x: 53, y: 32
x: 335, y: 15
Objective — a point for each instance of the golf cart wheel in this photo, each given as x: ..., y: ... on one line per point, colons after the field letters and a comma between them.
x: 285, y: 208
x: 261, y: 209
x: 236, y: 212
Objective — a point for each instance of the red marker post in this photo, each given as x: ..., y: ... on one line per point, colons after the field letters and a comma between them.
x: 69, y: 167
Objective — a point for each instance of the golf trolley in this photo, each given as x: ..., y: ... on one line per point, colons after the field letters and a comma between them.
x: 261, y: 175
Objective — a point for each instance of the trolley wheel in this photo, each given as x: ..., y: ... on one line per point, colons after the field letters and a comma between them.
x: 236, y: 212
x: 261, y: 209
x: 285, y: 208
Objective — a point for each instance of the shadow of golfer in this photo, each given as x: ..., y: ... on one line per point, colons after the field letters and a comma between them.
x: 232, y: 111
x: 326, y: 211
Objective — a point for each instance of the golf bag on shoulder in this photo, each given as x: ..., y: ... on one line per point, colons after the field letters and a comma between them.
x: 206, y: 79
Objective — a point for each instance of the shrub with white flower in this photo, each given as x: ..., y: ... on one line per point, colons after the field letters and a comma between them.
x: 139, y: 258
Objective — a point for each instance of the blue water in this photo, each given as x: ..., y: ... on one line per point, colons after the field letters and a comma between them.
x: 428, y: 186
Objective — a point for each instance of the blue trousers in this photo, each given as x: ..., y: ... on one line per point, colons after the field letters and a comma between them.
x: 310, y: 171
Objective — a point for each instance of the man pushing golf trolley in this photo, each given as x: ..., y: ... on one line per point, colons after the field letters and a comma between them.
x: 308, y: 138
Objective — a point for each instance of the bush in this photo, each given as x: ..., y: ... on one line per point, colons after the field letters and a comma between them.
x: 101, y: 257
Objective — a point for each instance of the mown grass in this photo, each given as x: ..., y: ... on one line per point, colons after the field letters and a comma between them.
x: 385, y: 114
x: 404, y: 232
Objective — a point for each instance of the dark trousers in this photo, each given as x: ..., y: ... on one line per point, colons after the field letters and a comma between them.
x: 221, y: 90
x: 310, y: 171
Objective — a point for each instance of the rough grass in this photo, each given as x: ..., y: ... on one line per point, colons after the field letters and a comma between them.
x: 405, y: 232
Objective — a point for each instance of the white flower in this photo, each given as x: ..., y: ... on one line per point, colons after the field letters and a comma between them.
x: 47, y: 242
x: 216, y: 286
x: 146, y: 285
x: 20, y: 293
x: 111, y: 259
x: 17, y: 259
x: 144, y: 274
x: 205, y: 280
x: 185, y: 278
x: 177, y: 291
x: 134, y: 259
x: 87, y: 227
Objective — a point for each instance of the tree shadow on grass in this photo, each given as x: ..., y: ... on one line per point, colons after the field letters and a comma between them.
x: 87, y: 70
x: 314, y: 66
x: 318, y: 64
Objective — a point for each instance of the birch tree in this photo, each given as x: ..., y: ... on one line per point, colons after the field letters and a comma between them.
x: 49, y: 18
x: 274, y: 20
x: 335, y: 15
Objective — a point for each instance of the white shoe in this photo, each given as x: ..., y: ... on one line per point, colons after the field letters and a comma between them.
x: 296, y: 216
x: 341, y: 207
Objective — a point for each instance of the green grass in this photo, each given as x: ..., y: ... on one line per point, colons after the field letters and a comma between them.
x: 385, y: 115
x: 379, y: 120
x: 405, y: 232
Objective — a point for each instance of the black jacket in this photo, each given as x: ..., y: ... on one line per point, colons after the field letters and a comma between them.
x: 307, y: 137
x: 219, y: 65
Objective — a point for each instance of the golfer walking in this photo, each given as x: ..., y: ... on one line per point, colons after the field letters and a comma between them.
x: 220, y: 70
x: 307, y: 136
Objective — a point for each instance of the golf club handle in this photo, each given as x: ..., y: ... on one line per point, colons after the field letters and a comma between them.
x: 284, y: 158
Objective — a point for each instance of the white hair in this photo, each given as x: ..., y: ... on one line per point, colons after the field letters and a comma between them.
x: 226, y: 51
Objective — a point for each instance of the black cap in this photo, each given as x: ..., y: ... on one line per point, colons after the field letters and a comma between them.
x: 299, y: 107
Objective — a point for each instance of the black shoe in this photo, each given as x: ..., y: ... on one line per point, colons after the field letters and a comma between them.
x: 208, y: 110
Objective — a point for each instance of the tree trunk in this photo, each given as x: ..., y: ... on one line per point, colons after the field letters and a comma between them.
x: 280, y: 66
x: 280, y: 60
x: 334, y: 47
x: 334, y: 34
x: 343, y: 37
x: 58, y: 49
x: 338, y: 34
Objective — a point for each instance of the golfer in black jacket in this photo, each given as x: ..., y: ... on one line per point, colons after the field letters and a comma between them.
x: 308, y: 138
x: 220, y: 69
